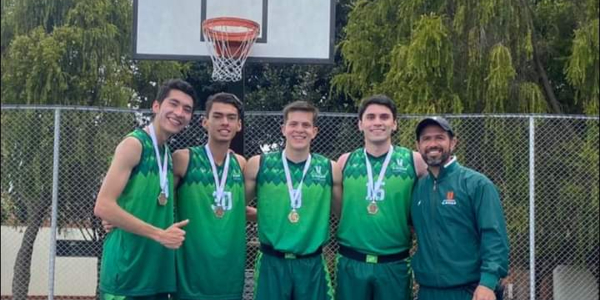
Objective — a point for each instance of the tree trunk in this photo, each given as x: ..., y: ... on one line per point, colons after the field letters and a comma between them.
x: 543, y: 76
x: 548, y: 91
x: 22, y: 268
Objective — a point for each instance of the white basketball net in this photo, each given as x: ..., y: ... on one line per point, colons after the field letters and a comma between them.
x: 228, y: 61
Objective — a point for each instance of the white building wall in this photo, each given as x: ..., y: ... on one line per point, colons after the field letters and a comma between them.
x: 74, y: 276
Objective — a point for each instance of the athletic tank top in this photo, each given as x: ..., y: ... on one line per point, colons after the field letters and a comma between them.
x: 274, y: 227
x: 386, y: 231
x: 212, y: 259
x: 133, y: 265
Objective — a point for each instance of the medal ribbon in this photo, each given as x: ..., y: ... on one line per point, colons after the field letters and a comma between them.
x: 219, y: 185
x: 295, y: 199
x: 162, y: 170
x: 375, y: 187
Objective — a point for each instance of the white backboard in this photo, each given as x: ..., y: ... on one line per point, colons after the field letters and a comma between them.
x: 292, y: 31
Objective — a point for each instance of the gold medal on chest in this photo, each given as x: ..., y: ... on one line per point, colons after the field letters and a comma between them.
x: 162, y: 199
x: 373, y: 208
x: 294, y: 217
x: 219, y: 212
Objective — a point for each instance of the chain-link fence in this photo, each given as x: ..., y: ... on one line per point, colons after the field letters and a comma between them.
x: 556, y: 171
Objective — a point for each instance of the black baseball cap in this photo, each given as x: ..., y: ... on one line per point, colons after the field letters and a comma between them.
x: 439, y: 121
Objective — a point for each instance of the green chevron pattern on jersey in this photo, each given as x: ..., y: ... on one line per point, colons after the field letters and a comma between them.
x: 387, y: 231
x: 133, y: 265
x: 212, y: 244
x: 272, y: 171
x: 274, y: 228
x: 147, y: 163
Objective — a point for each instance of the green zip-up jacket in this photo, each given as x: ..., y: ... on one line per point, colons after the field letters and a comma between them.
x: 461, y: 231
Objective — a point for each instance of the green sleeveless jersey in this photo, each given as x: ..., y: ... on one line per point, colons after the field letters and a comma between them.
x: 274, y: 228
x: 387, y: 231
x: 211, y: 261
x: 133, y: 265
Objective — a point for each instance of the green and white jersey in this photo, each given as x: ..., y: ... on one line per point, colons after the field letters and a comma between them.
x: 274, y: 227
x: 211, y: 261
x: 386, y: 231
x: 133, y: 265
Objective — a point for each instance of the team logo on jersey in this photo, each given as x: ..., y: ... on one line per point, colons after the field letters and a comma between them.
x: 449, y: 199
x: 399, y: 167
x: 317, y: 174
x: 236, y: 175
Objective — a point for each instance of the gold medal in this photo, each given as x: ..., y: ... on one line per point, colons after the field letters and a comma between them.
x: 162, y: 199
x: 219, y: 212
x: 372, y: 208
x: 294, y: 217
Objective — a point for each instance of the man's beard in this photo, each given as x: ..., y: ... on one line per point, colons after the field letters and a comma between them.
x: 436, y: 162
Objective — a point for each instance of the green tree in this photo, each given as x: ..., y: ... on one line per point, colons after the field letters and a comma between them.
x: 583, y: 67
x: 473, y: 56
x: 67, y: 53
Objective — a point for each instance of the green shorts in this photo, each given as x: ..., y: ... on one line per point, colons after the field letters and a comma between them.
x: 459, y: 293
x: 161, y: 296
x: 358, y: 280
x: 216, y: 279
x: 291, y: 278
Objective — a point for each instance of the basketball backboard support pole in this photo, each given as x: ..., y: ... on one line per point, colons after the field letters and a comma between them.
x: 237, y: 88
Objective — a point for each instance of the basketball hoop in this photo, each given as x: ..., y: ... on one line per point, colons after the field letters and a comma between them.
x: 229, y: 42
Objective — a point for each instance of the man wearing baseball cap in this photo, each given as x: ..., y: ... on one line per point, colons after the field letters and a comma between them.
x: 463, y: 247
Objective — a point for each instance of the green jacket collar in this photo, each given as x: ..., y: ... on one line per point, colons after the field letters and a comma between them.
x: 446, y: 169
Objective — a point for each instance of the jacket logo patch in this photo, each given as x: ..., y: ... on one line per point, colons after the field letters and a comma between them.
x: 449, y: 199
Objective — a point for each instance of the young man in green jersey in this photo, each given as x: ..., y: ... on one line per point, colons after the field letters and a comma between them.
x: 294, y: 189
x: 373, y: 233
x: 136, y: 197
x: 211, y: 262
x: 462, y: 247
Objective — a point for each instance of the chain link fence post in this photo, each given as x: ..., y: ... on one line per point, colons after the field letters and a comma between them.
x: 54, y: 213
x: 532, y: 207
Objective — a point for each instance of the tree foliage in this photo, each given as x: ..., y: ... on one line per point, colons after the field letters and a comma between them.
x: 74, y: 53
x: 583, y: 66
x: 473, y: 56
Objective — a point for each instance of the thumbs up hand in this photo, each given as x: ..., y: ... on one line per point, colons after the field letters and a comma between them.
x: 173, y: 236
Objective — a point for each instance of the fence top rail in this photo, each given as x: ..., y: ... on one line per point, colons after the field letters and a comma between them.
x: 278, y: 113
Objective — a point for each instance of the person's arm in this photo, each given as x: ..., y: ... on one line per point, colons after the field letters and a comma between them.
x: 250, y: 211
x: 336, y: 203
x: 491, y: 226
x: 242, y: 161
x: 250, y: 172
x: 420, y: 165
x: 181, y: 160
x: 127, y: 156
x: 337, y: 195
